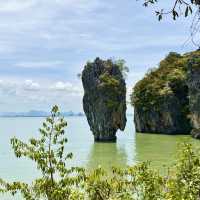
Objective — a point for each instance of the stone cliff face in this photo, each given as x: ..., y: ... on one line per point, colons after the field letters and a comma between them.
x: 194, y: 94
x: 167, y: 120
x: 160, y: 99
x: 104, y: 100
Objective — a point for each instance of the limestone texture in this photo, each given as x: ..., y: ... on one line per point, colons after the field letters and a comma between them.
x: 194, y: 93
x: 104, y: 100
x: 160, y: 99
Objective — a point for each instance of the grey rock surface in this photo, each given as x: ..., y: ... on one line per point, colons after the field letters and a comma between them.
x: 160, y: 99
x: 104, y: 100
x: 165, y: 118
x: 194, y: 94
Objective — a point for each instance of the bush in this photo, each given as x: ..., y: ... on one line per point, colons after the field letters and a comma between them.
x: 48, y: 153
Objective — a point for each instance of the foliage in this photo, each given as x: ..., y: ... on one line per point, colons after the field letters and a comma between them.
x: 178, y: 8
x: 184, y: 181
x: 111, y: 74
x: 110, y: 85
x: 169, y: 79
x: 121, y: 63
x: 49, y: 155
x: 139, y: 182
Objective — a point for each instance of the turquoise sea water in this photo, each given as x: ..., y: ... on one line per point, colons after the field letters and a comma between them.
x: 129, y: 149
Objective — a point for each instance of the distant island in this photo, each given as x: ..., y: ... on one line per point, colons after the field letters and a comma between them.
x: 38, y: 113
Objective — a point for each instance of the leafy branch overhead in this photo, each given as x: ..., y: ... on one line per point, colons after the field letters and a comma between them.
x: 178, y: 8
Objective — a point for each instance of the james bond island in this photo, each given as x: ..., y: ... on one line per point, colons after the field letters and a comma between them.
x: 104, y: 100
x: 167, y: 99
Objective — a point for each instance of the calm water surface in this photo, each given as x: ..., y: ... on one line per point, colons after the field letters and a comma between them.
x: 129, y: 149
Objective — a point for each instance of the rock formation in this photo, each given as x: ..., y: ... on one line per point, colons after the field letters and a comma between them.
x: 194, y: 93
x: 104, y: 100
x: 160, y: 99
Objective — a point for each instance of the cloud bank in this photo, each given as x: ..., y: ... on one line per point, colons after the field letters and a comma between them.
x: 44, y: 44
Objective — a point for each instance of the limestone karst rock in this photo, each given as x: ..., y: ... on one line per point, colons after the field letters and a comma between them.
x: 160, y: 99
x: 104, y: 100
x: 194, y: 93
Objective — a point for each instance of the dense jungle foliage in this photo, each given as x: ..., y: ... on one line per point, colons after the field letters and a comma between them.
x: 139, y: 182
x: 167, y: 80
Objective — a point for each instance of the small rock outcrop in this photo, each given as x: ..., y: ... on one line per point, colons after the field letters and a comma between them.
x: 194, y: 93
x: 104, y: 100
x: 160, y: 99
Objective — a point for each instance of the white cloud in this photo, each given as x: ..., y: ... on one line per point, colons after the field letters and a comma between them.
x: 62, y: 86
x: 39, y: 64
x: 7, y: 89
x: 15, y: 5
x: 66, y: 87
x: 30, y: 93
x: 30, y: 85
x: 29, y: 24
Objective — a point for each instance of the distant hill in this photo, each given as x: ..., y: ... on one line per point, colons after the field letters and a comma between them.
x: 40, y: 113
x: 37, y: 113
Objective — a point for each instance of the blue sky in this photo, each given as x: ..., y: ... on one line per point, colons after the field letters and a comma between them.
x: 45, y: 43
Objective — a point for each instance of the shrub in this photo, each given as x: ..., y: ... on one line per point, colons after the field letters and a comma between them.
x: 48, y: 153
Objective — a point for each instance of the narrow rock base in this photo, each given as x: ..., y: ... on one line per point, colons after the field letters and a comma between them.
x: 104, y: 100
x: 110, y: 139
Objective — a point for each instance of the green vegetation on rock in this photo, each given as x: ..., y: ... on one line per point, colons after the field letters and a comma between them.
x: 160, y: 82
x: 104, y: 100
x: 161, y: 98
x: 194, y: 94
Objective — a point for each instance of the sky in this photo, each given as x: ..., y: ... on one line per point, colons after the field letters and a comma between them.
x: 44, y: 44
